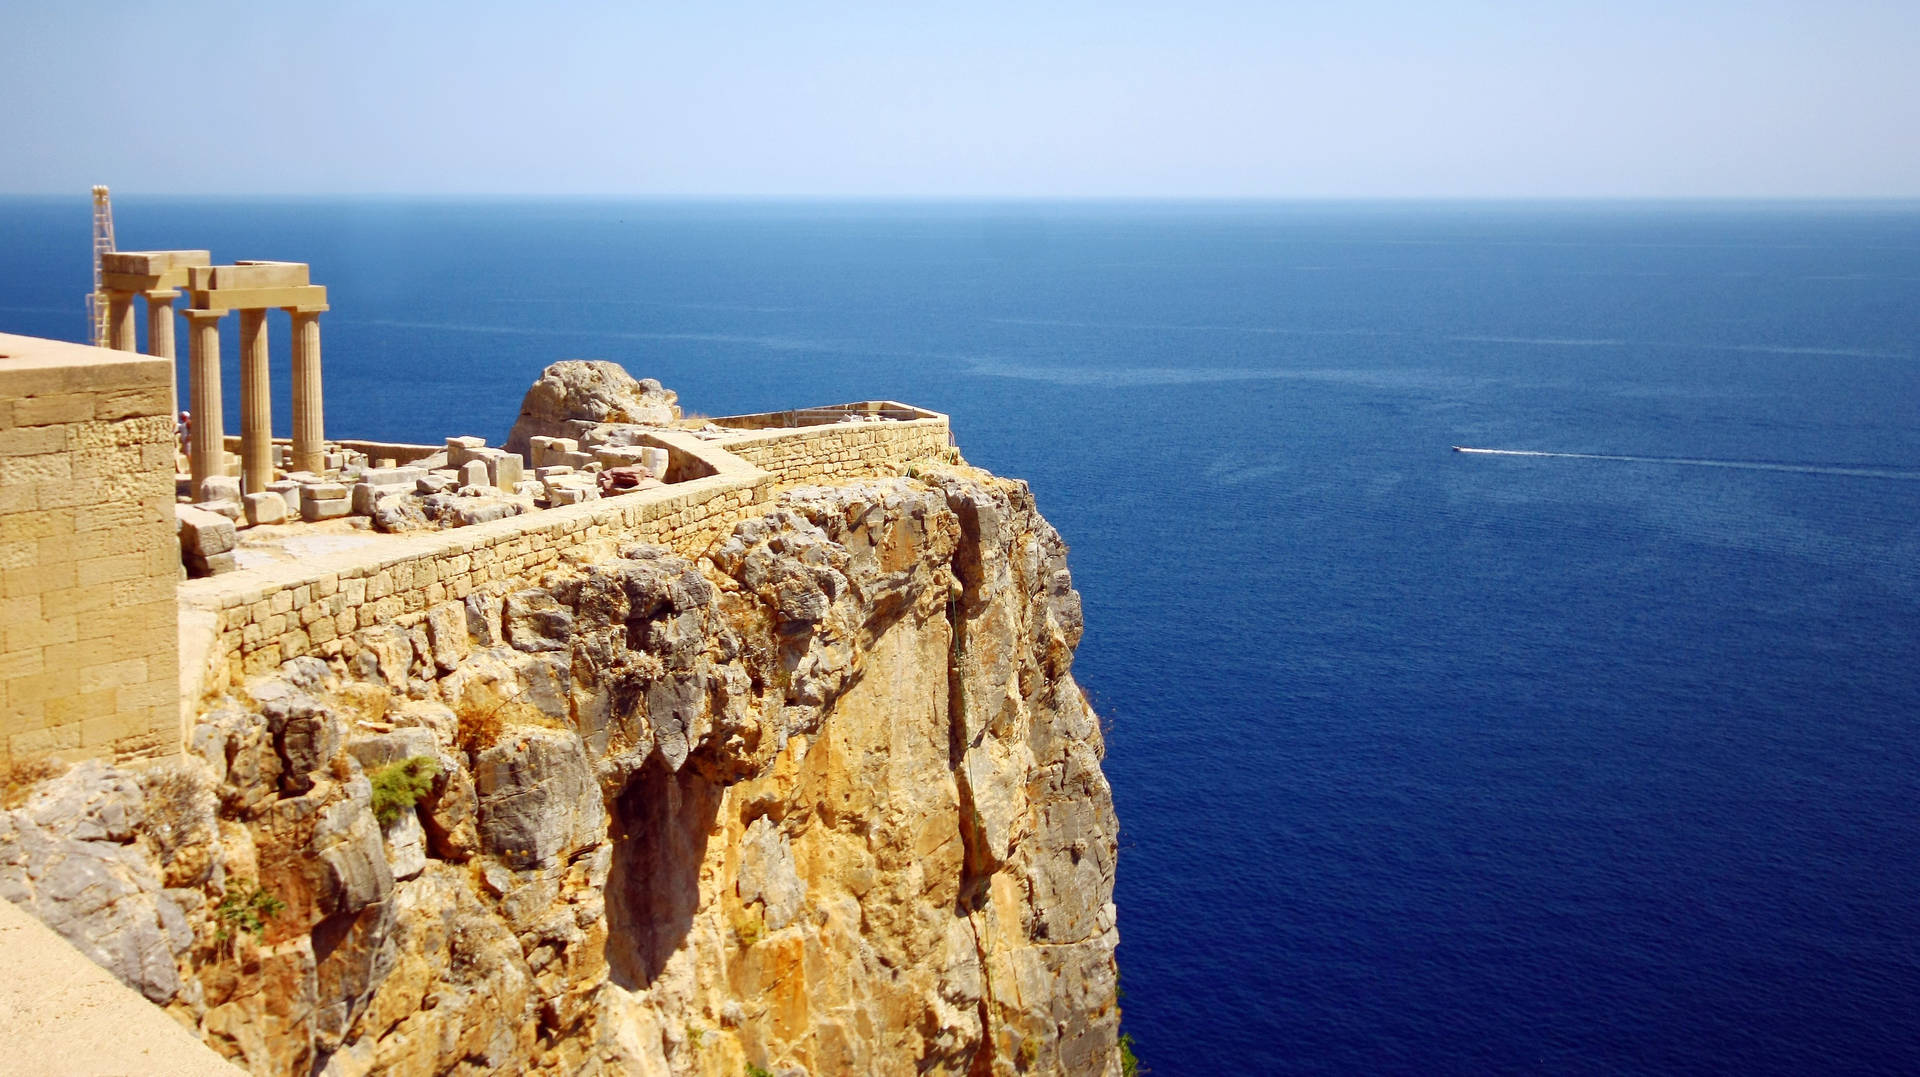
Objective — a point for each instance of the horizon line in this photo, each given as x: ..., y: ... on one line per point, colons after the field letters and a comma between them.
x: 613, y: 196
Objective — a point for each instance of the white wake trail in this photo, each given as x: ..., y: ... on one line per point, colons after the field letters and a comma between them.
x: 1861, y: 472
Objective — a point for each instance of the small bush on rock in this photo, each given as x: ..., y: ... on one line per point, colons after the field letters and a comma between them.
x: 397, y: 787
x: 247, y: 908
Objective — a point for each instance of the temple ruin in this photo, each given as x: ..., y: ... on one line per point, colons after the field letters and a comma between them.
x: 252, y: 288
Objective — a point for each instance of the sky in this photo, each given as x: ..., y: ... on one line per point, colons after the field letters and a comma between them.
x: 1206, y: 99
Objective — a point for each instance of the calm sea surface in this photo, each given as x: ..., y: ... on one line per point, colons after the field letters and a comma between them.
x: 1427, y: 762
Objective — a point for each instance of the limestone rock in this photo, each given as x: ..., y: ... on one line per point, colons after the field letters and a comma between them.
x: 594, y: 391
x: 535, y: 622
x: 68, y: 857
x: 539, y: 802
x: 398, y: 512
x: 825, y: 798
x: 767, y: 874
x: 306, y: 732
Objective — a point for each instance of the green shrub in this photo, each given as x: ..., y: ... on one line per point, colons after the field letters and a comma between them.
x: 757, y: 1071
x: 397, y: 787
x: 1129, y: 1065
x: 246, y: 908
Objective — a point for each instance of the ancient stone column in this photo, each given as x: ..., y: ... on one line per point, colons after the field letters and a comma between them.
x: 256, y: 404
x: 207, y: 449
x: 309, y: 437
x: 120, y: 321
x: 160, y: 336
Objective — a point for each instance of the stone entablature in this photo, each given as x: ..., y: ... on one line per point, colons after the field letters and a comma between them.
x: 88, y: 557
x: 247, y: 622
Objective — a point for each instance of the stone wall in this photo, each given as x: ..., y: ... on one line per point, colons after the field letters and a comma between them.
x: 88, y: 557
x: 259, y: 618
x: 841, y: 450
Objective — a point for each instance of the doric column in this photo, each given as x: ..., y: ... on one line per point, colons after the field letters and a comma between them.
x: 256, y: 404
x: 309, y: 437
x: 207, y: 450
x: 160, y: 335
x: 120, y: 321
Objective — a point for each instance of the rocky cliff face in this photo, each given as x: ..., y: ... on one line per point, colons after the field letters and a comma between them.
x: 826, y: 801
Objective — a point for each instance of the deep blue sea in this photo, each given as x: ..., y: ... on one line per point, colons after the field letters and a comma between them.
x: 1426, y: 762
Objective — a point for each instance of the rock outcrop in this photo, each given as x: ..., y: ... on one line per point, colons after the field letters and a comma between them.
x: 575, y: 395
x: 825, y: 800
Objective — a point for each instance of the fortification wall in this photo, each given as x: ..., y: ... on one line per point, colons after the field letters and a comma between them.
x: 88, y: 555
x: 841, y: 450
x: 259, y: 618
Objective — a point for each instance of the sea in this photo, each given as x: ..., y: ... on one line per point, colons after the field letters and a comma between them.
x: 1595, y: 754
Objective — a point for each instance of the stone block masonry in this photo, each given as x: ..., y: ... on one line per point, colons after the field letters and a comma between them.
x: 89, y: 560
x: 263, y: 617
x: 839, y: 451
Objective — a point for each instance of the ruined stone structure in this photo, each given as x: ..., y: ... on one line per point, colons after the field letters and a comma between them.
x: 253, y: 289
x: 777, y: 763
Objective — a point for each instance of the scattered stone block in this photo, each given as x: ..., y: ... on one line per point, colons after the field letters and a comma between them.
x: 225, y: 507
x: 434, y: 482
x: 207, y: 540
x: 394, y: 513
x: 219, y: 488
x: 616, y: 480
x: 364, y: 494
x: 551, y: 471
x: 655, y: 459
x: 289, y: 491
x: 315, y: 511
x: 392, y: 476
x: 203, y: 532
x: 474, y: 473
x: 324, y: 501
x: 479, y: 510
x: 269, y: 507
x: 571, y: 495
x: 544, y: 448
x: 461, y: 450
x: 620, y: 456
x: 579, y: 461
x: 508, y: 470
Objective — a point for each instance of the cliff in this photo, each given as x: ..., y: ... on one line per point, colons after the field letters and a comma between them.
x: 824, y: 800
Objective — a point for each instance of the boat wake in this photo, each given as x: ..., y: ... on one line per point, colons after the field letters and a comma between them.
x: 1852, y: 470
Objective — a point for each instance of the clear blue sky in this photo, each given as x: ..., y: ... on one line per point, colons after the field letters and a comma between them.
x: 1361, y: 98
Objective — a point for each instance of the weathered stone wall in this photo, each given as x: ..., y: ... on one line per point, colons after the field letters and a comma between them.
x: 268, y: 616
x: 841, y: 450
x: 264, y: 617
x: 88, y: 559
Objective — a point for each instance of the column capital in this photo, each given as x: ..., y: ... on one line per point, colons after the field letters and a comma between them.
x: 309, y: 312
x: 198, y: 315
x: 161, y: 295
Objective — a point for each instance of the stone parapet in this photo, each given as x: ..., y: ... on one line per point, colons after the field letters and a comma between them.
x: 841, y: 450
x: 262, y: 617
